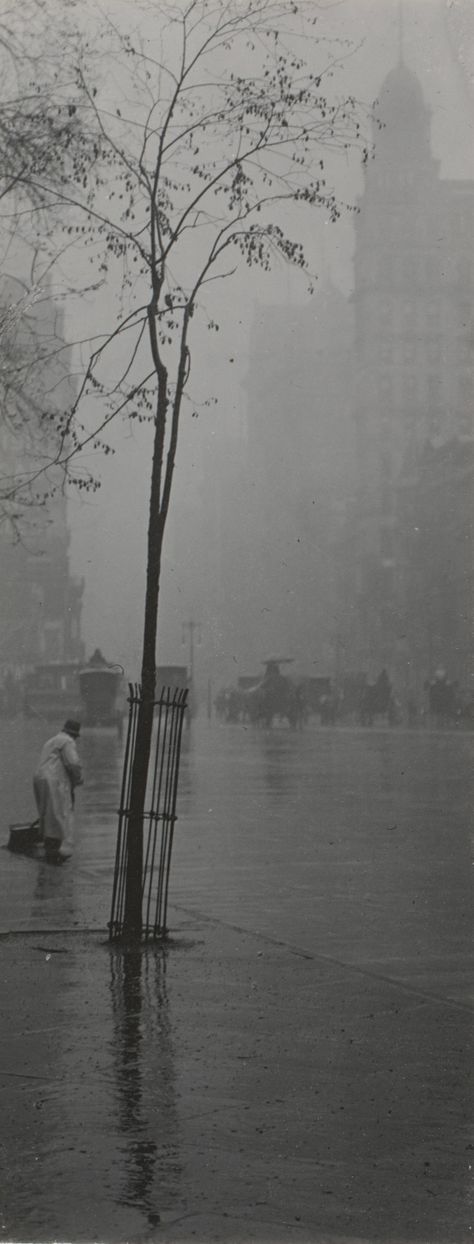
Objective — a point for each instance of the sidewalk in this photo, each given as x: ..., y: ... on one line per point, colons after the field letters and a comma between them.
x: 229, y: 1088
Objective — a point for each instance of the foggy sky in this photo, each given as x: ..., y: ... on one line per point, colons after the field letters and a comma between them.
x: 109, y: 529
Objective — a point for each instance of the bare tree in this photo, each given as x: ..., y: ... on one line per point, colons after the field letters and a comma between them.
x: 209, y: 124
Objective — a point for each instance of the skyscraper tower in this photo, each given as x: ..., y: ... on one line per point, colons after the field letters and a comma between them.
x: 412, y: 298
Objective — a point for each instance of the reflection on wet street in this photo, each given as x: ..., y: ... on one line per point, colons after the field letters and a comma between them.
x: 90, y: 1122
x: 300, y: 1051
x: 145, y: 1080
x: 348, y: 842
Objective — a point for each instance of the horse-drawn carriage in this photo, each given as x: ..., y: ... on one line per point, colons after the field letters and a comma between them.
x: 264, y: 700
x: 102, y: 689
x: 275, y: 697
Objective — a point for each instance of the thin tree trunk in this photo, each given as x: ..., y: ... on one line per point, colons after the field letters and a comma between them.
x: 133, y: 889
x: 158, y: 511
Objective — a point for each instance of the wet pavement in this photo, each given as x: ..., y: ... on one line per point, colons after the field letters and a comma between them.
x: 297, y: 1064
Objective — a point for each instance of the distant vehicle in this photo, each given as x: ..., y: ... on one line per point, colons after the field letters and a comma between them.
x: 51, y: 691
x: 273, y: 697
x: 102, y: 692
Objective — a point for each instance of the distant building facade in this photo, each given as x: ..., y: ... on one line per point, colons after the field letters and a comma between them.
x: 413, y: 322
x: 41, y: 601
x: 299, y: 455
x: 434, y: 549
x: 360, y: 434
x: 359, y: 437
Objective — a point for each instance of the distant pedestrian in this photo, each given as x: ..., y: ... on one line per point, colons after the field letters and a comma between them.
x: 57, y: 774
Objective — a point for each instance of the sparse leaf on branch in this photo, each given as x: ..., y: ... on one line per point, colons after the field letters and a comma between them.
x: 222, y: 118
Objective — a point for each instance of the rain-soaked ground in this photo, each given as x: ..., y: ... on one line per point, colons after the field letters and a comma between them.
x: 298, y: 1065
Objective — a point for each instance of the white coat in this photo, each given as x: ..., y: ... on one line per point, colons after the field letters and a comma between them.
x: 57, y: 774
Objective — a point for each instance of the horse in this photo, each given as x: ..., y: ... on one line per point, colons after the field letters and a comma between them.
x: 274, y: 697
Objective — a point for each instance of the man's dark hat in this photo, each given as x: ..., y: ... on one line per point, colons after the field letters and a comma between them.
x: 72, y: 727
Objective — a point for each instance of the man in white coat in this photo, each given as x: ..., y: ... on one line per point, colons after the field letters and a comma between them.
x: 54, y: 782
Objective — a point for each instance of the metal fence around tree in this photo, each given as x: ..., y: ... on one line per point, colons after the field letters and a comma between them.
x: 160, y: 814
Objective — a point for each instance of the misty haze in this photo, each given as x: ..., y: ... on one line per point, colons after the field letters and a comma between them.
x: 236, y: 621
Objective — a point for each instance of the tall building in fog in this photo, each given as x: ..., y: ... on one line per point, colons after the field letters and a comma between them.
x: 412, y: 301
x: 336, y: 532
x: 263, y: 508
x: 41, y: 602
x: 299, y: 459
